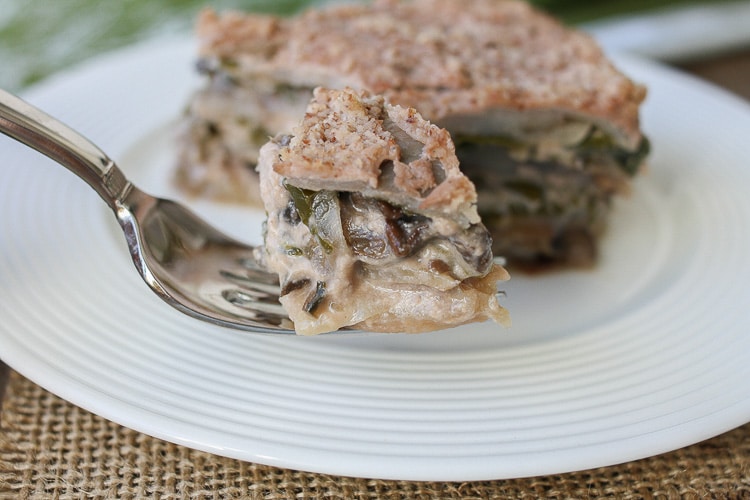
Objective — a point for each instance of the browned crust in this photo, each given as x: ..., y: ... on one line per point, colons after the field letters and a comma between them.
x: 342, y: 143
x: 443, y: 57
x: 340, y: 140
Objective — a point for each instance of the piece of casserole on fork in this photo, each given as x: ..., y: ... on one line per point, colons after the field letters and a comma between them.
x: 371, y: 224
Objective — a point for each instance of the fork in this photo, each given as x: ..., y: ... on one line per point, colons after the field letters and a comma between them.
x: 191, y: 265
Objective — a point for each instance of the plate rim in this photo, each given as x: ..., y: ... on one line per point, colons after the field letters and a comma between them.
x: 22, y: 359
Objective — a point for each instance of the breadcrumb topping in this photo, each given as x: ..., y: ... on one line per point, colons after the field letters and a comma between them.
x: 348, y: 139
x: 442, y: 57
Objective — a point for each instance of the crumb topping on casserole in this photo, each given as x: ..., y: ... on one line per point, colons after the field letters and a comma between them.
x: 441, y: 57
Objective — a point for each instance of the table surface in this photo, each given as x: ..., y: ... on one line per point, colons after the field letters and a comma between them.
x: 730, y: 70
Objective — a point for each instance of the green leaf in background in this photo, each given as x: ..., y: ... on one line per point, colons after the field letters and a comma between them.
x: 40, y: 37
x: 581, y: 11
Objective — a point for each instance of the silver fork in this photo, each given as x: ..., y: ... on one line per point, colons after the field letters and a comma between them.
x: 184, y: 260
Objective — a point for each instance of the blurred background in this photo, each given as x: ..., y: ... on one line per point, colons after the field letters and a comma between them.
x: 40, y: 37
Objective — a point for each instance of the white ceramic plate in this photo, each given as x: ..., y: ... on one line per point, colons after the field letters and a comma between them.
x: 677, y: 32
x: 645, y: 354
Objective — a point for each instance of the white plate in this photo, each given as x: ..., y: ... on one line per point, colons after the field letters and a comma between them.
x: 678, y: 32
x: 645, y: 354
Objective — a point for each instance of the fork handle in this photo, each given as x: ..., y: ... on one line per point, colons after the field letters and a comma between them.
x: 34, y: 128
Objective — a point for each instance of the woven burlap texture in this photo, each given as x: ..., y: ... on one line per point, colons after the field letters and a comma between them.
x: 52, y: 449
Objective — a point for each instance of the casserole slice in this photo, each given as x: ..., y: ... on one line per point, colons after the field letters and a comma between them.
x: 371, y: 224
x: 544, y: 124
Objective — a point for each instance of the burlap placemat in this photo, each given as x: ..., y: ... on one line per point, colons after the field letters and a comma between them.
x: 50, y: 448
